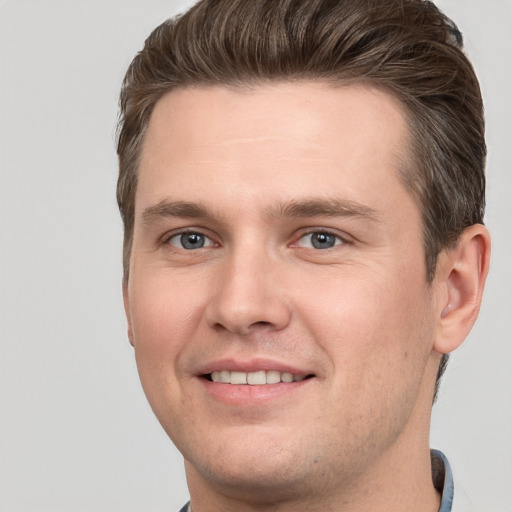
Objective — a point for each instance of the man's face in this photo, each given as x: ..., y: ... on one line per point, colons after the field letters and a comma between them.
x: 273, y: 236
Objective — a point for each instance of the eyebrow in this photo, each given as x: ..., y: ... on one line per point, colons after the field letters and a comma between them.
x: 175, y: 209
x: 312, y: 207
x: 320, y: 207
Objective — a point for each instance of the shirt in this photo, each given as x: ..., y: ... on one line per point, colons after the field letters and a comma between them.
x: 443, y: 482
x: 443, y: 479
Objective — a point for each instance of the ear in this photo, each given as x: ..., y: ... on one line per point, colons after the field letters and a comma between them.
x: 460, y: 278
x: 126, y: 302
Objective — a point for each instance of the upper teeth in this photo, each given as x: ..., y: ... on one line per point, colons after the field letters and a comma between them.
x: 255, y: 378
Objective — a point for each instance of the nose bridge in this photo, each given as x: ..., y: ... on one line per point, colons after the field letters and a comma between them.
x: 248, y: 294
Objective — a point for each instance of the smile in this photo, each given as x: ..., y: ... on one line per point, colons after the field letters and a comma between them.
x: 258, y: 378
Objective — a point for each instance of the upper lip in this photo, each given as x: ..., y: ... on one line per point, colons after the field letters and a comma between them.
x: 251, y: 365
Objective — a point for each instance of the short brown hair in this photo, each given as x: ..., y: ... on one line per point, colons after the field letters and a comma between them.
x: 407, y: 47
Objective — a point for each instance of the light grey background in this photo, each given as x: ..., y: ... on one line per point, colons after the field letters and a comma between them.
x: 76, y: 432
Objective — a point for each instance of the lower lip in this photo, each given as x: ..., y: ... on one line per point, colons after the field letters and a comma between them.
x: 247, y: 395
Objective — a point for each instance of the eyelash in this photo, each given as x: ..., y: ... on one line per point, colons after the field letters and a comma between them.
x: 339, y: 240
x: 167, y: 239
x: 208, y: 241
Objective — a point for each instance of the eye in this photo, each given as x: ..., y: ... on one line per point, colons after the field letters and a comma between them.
x: 190, y: 241
x: 319, y: 240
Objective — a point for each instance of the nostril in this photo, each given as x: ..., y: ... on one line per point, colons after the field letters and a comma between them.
x: 260, y: 324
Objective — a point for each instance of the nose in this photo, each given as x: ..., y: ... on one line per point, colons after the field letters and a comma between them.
x: 248, y: 296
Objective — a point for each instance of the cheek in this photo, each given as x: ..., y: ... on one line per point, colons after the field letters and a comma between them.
x: 164, y: 315
x: 370, y: 324
x: 163, y: 323
x: 163, y: 309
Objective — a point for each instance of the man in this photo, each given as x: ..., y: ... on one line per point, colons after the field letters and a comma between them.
x: 302, y: 190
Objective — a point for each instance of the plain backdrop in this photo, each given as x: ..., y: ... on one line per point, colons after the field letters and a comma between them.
x: 76, y: 432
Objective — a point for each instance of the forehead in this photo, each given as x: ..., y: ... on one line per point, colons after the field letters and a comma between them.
x: 300, y: 133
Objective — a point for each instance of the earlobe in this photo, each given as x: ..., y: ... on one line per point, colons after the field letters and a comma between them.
x: 461, y: 276
x: 126, y: 302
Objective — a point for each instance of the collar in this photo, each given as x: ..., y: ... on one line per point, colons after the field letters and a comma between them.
x: 443, y: 479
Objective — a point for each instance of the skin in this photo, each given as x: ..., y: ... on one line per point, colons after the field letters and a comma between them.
x: 261, y: 171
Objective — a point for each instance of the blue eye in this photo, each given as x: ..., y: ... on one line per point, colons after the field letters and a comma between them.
x: 190, y: 241
x: 320, y: 240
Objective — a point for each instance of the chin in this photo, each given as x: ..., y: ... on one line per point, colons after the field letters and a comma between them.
x: 247, y: 468
x: 268, y: 483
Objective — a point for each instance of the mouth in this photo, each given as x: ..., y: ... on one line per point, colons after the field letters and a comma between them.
x: 256, y: 378
x: 256, y: 384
